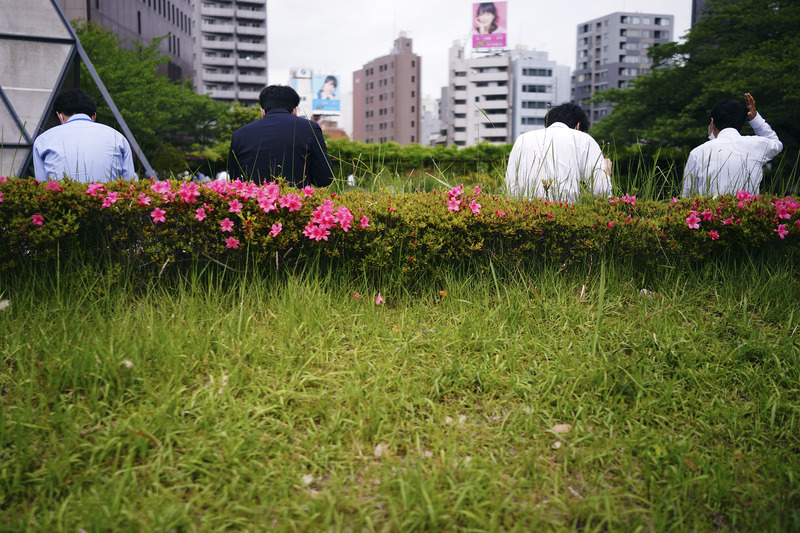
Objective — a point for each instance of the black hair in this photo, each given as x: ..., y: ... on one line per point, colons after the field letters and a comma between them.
x: 729, y: 114
x: 570, y: 114
x: 278, y: 97
x: 488, y: 7
x: 333, y: 79
x: 73, y: 101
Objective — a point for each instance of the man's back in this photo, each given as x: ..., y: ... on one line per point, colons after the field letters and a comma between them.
x: 82, y: 150
x: 553, y: 163
x: 280, y: 144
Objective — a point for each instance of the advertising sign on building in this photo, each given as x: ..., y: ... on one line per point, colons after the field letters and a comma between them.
x: 489, y: 24
x: 326, y: 93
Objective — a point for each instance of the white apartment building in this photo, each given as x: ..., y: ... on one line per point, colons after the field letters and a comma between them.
x: 498, y: 96
x: 230, y: 48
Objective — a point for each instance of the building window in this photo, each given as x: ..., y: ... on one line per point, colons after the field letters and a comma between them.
x: 139, y: 21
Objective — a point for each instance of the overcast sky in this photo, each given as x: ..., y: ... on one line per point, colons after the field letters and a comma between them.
x: 339, y: 36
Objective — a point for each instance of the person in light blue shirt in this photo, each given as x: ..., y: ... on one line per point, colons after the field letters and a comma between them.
x: 80, y: 148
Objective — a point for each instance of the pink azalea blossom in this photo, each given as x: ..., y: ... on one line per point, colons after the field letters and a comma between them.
x: 475, y: 207
x: 365, y: 222
x: 290, y: 201
x: 728, y: 220
x: 674, y: 200
x: 226, y: 224
x: 477, y: 190
x: 161, y: 187
x: 158, y: 215
x: 316, y: 232
x: 1, y: 197
x: 693, y: 221
x: 379, y: 299
x: 713, y: 234
x: 110, y: 199
x: 232, y: 242
x: 782, y: 231
x: 189, y: 192
x: 235, y: 206
x: 610, y: 224
x: 453, y: 204
x: 3, y: 179
x: 93, y: 189
x: 200, y: 214
x: 266, y: 203
x: 276, y: 228
x: 308, y: 190
x: 344, y: 218
x: 356, y: 295
x: 499, y: 213
x: 53, y: 186
x: 37, y: 219
x: 628, y: 199
x: 455, y: 192
x: 707, y: 215
x: 798, y: 223
x: 144, y: 200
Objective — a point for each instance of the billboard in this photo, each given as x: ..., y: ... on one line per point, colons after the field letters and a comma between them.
x: 326, y: 93
x: 489, y: 24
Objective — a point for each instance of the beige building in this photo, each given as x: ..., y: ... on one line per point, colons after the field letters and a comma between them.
x: 386, y: 97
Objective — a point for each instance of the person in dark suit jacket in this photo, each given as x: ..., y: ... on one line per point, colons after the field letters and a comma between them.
x: 280, y: 144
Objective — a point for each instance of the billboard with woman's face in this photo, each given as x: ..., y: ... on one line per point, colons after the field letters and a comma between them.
x: 489, y: 24
x: 326, y: 93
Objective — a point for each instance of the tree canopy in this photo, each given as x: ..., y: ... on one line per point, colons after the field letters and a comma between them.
x: 738, y: 46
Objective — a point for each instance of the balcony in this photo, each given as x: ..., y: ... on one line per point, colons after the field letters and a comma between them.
x: 246, y: 14
x: 256, y: 79
x: 217, y: 45
x: 252, y: 63
x: 218, y: 78
x: 252, y: 47
x: 222, y: 94
x: 459, y: 109
x: 219, y: 61
x: 250, y: 96
x: 222, y: 12
x: 217, y: 28
x: 250, y: 30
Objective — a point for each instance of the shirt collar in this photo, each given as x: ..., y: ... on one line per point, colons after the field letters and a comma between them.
x: 729, y: 133
x: 79, y: 116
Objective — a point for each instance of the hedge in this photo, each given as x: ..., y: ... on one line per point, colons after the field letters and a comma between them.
x: 154, y: 225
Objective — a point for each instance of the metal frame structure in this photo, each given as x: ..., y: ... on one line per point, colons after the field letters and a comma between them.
x: 24, y: 138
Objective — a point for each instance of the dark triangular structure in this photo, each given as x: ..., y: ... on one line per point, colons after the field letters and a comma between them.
x: 38, y: 47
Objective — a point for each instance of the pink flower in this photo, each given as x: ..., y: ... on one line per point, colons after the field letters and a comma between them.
x: 1, y: 197
x: 728, y: 220
x: 475, y: 207
x: 235, y: 206
x: 674, y: 200
x: 37, y: 219
x: 610, y: 223
x: 453, y: 204
x: 200, y: 214
x: 315, y: 232
x: 93, y: 189
x: 53, y: 186
x: 308, y: 190
x: 189, y: 192
x: 798, y: 223
x: 290, y: 201
x: 226, y: 225
x: 628, y: 199
x: 144, y: 200
x: 707, y: 215
x: 499, y: 213
x: 455, y: 192
x: 782, y: 231
x: 693, y: 221
x: 713, y: 234
x: 477, y: 190
x: 232, y: 242
x: 356, y: 295
x: 161, y: 187
x: 158, y: 215
x: 3, y: 179
x: 365, y: 222
x: 276, y: 228
x: 110, y: 199
x: 379, y: 300
x: 344, y: 218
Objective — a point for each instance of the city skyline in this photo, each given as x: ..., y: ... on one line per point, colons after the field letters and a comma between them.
x: 372, y: 28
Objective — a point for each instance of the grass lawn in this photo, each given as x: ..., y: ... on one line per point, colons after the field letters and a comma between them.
x: 545, y: 400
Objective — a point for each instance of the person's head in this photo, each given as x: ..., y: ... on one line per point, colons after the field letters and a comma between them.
x: 729, y: 114
x: 329, y: 85
x: 278, y: 97
x: 570, y: 114
x: 74, y: 101
x: 487, y: 14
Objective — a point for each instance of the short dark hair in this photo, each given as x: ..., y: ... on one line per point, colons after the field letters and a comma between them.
x: 729, y: 114
x: 278, y: 97
x: 570, y: 114
x: 74, y: 101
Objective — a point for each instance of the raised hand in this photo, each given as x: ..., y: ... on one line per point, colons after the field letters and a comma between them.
x: 750, y: 102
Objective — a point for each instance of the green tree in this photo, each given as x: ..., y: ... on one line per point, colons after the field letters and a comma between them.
x: 167, y: 119
x: 738, y: 46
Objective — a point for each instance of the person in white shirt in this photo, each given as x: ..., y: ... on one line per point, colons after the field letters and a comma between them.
x: 557, y: 162
x: 80, y: 148
x: 731, y: 162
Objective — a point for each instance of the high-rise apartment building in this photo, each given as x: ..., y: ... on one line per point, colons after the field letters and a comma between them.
x: 611, y: 51
x: 496, y: 97
x: 386, y: 97
x: 144, y: 20
x: 230, y: 47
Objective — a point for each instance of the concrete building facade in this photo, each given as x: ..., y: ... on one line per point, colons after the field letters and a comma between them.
x: 230, y: 49
x: 496, y: 97
x: 386, y: 97
x: 611, y: 51
x: 144, y: 20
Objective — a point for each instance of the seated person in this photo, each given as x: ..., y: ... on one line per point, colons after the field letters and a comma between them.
x: 731, y: 162
x: 557, y: 161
